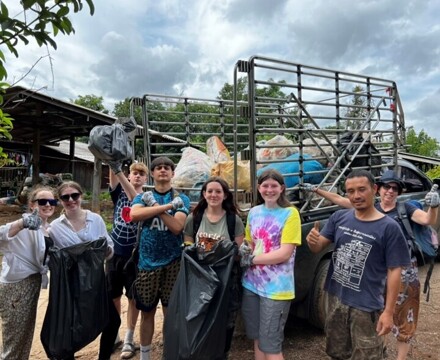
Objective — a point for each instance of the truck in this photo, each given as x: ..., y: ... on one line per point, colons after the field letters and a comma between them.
x: 340, y: 120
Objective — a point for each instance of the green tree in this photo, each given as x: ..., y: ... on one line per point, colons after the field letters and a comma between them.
x: 227, y: 91
x: 41, y: 21
x: 92, y: 102
x: 357, y: 110
x: 421, y: 143
x: 122, y: 109
x: 271, y: 91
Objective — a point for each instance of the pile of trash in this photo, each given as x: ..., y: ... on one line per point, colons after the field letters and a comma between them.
x: 195, y: 166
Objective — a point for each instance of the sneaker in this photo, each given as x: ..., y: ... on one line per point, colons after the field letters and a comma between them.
x: 128, y: 351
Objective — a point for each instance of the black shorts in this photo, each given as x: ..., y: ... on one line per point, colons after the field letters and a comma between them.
x: 119, y: 278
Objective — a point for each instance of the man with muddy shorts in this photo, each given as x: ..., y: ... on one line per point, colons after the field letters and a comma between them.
x: 163, y: 212
x: 369, y: 252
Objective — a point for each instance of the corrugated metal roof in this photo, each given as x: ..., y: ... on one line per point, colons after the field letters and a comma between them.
x: 81, y: 150
x: 420, y: 158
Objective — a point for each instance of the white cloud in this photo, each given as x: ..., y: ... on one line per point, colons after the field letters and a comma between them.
x: 133, y: 47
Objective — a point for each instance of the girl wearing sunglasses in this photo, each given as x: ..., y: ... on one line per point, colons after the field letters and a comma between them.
x: 77, y: 225
x: 22, y: 244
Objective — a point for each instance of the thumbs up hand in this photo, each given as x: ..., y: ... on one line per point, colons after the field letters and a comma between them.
x: 32, y: 221
x: 432, y: 199
x: 313, y: 236
x: 316, y: 226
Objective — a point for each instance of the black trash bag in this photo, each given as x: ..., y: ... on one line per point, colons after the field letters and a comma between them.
x: 367, y: 148
x: 112, y: 142
x: 128, y: 124
x: 77, y: 311
x: 200, y: 304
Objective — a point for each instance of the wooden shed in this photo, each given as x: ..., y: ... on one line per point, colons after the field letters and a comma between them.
x: 41, y: 120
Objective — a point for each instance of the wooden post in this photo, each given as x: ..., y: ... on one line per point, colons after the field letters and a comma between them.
x: 36, y: 157
x: 96, y: 190
x: 72, y: 156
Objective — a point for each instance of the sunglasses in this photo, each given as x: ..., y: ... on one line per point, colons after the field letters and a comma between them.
x: 388, y: 187
x: 66, y: 197
x: 43, y: 202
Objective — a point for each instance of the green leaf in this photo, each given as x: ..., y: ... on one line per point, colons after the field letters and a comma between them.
x: 63, y: 11
x: 55, y: 29
x: 24, y: 39
x: 67, y: 26
x: 12, y: 49
x: 3, y: 73
x: 4, y: 10
x: 91, y: 6
x: 76, y: 5
x: 27, y: 4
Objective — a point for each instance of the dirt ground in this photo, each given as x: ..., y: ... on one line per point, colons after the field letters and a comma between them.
x: 302, y: 341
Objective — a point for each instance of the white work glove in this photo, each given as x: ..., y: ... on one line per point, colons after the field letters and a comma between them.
x: 148, y: 198
x: 32, y: 221
x: 309, y: 187
x: 432, y: 199
x: 245, y: 253
x: 244, y: 249
x: 177, y: 203
x: 247, y: 260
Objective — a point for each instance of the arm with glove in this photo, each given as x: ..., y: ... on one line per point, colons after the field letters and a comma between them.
x: 333, y: 197
x: 175, y: 219
x: 31, y: 221
x: 152, y: 208
x: 432, y: 201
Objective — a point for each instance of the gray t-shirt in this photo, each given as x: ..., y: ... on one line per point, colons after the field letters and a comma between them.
x: 210, y: 233
x: 218, y: 229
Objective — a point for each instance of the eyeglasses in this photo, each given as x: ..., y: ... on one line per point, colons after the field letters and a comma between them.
x: 388, y: 187
x: 66, y: 197
x: 43, y: 202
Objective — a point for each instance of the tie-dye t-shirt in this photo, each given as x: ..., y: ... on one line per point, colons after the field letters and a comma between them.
x: 266, y: 230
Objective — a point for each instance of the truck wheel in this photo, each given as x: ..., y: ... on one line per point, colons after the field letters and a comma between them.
x: 318, y: 297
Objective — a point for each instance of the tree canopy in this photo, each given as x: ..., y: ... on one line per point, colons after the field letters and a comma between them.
x: 421, y: 143
x: 92, y: 102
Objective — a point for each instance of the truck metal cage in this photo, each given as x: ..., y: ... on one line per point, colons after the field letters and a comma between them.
x: 314, y: 108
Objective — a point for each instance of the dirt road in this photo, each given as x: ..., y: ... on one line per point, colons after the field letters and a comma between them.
x: 302, y: 342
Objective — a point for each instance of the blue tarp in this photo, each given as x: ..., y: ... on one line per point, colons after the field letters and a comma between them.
x: 293, y: 167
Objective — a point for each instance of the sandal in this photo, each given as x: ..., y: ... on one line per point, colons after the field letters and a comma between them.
x: 128, y: 351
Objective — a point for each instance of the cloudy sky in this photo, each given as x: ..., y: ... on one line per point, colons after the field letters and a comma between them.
x: 174, y: 47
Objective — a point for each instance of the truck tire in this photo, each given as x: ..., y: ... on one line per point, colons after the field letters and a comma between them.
x: 318, y: 297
